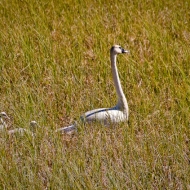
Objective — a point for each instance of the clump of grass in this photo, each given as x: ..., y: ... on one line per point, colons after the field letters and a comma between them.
x: 54, y: 64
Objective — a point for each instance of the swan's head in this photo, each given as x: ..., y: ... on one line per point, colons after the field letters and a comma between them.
x: 116, y: 49
x: 33, y: 126
x: 4, y: 115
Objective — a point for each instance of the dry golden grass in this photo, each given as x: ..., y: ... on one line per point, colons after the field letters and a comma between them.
x: 54, y: 64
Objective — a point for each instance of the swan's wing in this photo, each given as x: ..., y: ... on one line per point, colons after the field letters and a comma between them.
x: 104, y: 115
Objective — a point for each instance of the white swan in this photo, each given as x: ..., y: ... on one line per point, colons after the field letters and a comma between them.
x: 3, y: 124
x: 118, y: 113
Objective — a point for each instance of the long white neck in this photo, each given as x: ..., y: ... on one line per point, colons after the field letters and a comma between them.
x: 122, y: 101
x: 2, y: 123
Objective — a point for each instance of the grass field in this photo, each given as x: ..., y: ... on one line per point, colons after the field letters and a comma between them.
x: 55, y: 65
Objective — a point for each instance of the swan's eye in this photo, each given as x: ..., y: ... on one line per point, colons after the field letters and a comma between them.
x: 120, y: 47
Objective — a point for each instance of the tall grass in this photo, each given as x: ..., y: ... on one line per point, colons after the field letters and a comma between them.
x: 54, y: 64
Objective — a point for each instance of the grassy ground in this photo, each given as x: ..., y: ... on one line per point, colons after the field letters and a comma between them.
x: 54, y: 64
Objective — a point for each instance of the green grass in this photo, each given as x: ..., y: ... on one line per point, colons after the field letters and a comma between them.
x: 54, y: 64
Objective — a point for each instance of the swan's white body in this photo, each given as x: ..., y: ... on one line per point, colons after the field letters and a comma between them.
x: 120, y: 112
x: 105, y: 115
x: 3, y: 124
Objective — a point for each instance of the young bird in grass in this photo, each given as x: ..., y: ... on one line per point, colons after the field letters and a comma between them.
x: 22, y: 131
x: 3, y: 124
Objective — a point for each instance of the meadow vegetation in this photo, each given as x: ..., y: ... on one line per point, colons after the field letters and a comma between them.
x: 55, y: 65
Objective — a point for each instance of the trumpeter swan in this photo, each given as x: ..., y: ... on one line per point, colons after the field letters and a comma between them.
x: 3, y: 124
x: 118, y: 113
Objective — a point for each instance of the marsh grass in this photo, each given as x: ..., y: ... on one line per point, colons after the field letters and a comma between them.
x: 54, y: 64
